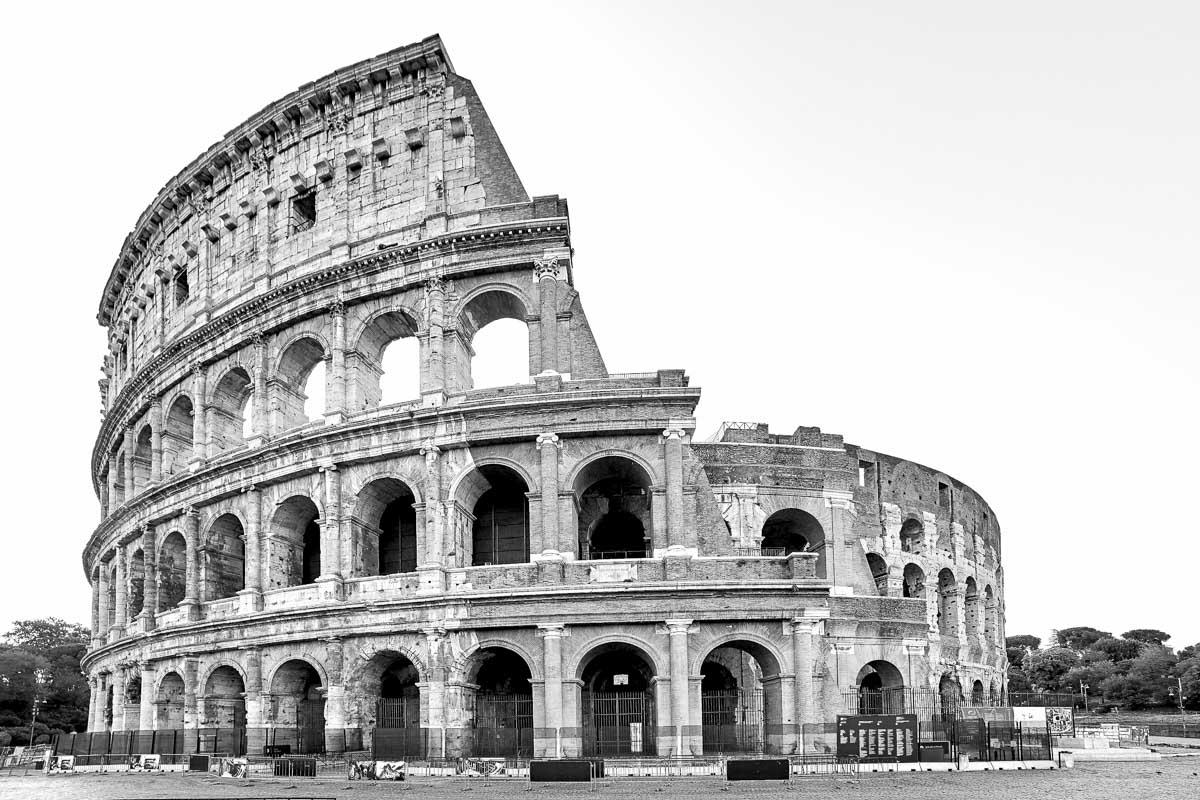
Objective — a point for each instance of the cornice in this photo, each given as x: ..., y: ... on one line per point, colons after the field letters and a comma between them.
x: 257, y: 312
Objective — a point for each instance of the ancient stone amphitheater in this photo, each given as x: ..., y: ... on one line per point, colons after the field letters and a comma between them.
x: 289, y: 556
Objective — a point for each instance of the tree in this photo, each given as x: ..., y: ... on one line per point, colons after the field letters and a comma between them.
x: 1146, y: 636
x: 1048, y: 668
x: 1080, y: 638
x: 1017, y: 647
x: 40, y: 658
x: 39, y: 635
x: 1092, y: 672
x: 1116, y: 650
x: 1190, y: 651
x: 1146, y: 684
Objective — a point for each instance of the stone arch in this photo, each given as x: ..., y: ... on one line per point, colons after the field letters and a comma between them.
x: 989, y: 615
x: 914, y: 581
x: 949, y: 695
x: 142, y: 458
x: 618, y: 698
x: 879, y: 573
x: 297, y: 687
x: 497, y: 702
x: 613, y: 493
x: 172, y: 570
x: 578, y: 662
x: 741, y: 696
x: 491, y: 524
x: 912, y: 535
x: 386, y: 686
x: 367, y: 380
x: 298, y: 361
x: 177, y: 439
x: 118, y: 484
x: 223, y: 697
x: 947, y: 616
x: 384, y: 527
x: 971, y: 607
x: 295, y: 543
x: 978, y: 693
x: 169, y: 701
x: 137, y: 583
x: 224, y: 557
x: 460, y: 669
x: 480, y: 309
x: 232, y: 407
x: 223, y: 661
x: 792, y: 530
x: 765, y: 651
x: 881, y: 688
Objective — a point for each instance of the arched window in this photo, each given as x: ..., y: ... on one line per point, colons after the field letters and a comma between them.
x: 299, y: 704
x: 947, y: 604
x: 141, y: 459
x: 740, y: 699
x: 792, y: 531
x: 500, y: 532
x: 118, y: 486
x: 385, y: 366
x: 386, y: 527
x: 881, y: 689
x: 172, y: 571
x: 177, y: 436
x: 614, y: 499
x: 911, y: 536
x: 502, y: 706
x: 224, y: 702
x: 991, y: 613
x: 618, y: 711
x: 295, y: 543
x: 232, y: 410
x: 494, y: 340
x: 224, y: 558
x: 137, y: 583
x: 914, y: 582
x: 300, y: 383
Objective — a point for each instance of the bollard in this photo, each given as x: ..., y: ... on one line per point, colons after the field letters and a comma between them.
x: 963, y: 761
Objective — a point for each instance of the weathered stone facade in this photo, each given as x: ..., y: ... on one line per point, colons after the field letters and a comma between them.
x: 542, y: 547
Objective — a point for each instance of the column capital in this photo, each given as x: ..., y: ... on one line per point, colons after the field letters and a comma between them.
x: 189, y: 511
x: 198, y: 370
x: 327, y: 467
x: 546, y: 269
x: 678, y: 627
x: 337, y: 308
x: 548, y: 439
x: 429, y: 449
x: 435, y: 284
x: 251, y: 487
x: 552, y: 631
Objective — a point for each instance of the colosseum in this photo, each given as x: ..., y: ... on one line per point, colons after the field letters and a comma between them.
x: 289, y: 556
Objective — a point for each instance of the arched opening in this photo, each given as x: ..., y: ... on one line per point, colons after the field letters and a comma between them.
x: 971, y: 610
x: 947, y: 604
x: 618, y: 705
x: 100, y: 625
x: 911, y: 535
x: 295, y: 543
x: 501, y: 703
x: 141, y: 459
x: 113, y: 579
x: 990, y: 615
x: 298, y: 707
x: 614, y: 509
x: 224, y: 704
x: 137, y: 583
x: 792, y: 531
x: 978, y: 694
x: 914, y: 582
x: 231, y: 410
x: 500, y: 531
x: 118, y: 486
x: 494, y: 340
x: 385, y: 366
x: 224, y: 558
x: 168, y: 704
x: 172, y: 571
x: 177, y: 436
x: 300, y: 383
x: 949, y: 697
x: 741, y: 700
x: 881, y: 689
x: 879, y: 573
x: 392, y: 725
x: 385, y: 525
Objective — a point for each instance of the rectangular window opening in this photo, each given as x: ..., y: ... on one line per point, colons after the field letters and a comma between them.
x: 943, y: 494
x: 304, y: 211
x: 181, y: 288
x: 866, y: 473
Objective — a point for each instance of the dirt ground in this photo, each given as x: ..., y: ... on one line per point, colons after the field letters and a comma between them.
x: 1177, y: 777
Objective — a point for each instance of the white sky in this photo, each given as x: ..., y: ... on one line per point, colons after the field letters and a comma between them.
x: 964, y: 236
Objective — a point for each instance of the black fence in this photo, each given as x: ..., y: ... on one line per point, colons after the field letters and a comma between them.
x: 945, y: 740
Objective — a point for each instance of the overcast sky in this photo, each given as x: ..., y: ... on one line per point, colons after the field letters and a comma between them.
x: 963, y: 236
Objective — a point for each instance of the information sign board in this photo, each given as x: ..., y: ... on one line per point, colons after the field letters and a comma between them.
x: 872, y: 737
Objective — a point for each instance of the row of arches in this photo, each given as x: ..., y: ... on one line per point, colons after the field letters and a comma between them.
x: 489, y: 703
x: 384, y: 362
x: 979, y: 611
